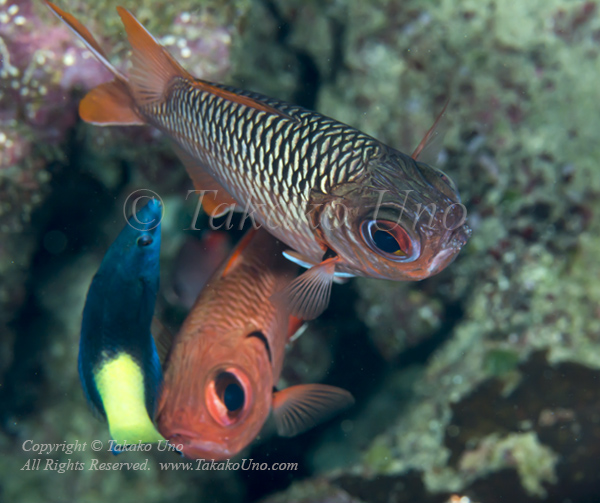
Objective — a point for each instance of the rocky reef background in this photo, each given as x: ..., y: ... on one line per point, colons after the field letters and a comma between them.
x: 479, y: 384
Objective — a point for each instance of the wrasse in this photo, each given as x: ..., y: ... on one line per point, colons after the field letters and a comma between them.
x: 226, y: 359
x: 118, y: 361
x: 345, y: 203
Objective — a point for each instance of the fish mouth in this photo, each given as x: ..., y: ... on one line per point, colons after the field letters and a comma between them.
x: 193, y: 447
x: 446, y: 256
x: 460, y: 236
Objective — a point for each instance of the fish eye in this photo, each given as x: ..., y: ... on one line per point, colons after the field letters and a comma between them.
x: 226, y: 397
x: 233, y: 397
x: 144, y: 240
x: 388, y: 239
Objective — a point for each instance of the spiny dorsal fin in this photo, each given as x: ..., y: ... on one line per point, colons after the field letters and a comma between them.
x: 299, y: 408
x: 239, y: 249
x: 238, y: 98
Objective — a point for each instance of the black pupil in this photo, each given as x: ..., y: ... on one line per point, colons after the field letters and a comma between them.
x: 233, y: 397
x: 144, y: 240
x: 385, y: 241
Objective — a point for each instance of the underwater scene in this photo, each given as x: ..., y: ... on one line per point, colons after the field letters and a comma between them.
x: 302, y: 251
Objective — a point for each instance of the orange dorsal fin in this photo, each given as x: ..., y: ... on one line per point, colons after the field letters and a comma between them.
x: 239, y: 249
x: 299, y: 408
x: 238, y: 98
x: 153, y: 68
x: 110, y: 104
x: 433, y: 138
x: 86, y: 37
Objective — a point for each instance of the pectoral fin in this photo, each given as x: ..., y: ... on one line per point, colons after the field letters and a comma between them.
x: 308, y: 295
x: 299, y: 408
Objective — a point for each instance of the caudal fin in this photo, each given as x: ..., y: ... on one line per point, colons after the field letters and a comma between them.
x: 109, y: 103
x: 153, y: 68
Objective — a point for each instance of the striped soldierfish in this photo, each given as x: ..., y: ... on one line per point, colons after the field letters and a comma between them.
x: 345, y: 203
x: 118, y: 361
x: 226, y: 359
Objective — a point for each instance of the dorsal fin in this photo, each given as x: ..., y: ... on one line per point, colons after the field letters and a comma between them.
x: 238, y: 98
x: 239, y: 249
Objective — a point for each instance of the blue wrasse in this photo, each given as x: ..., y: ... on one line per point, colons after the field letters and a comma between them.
x: 118, y: 362
x: 343, y: 202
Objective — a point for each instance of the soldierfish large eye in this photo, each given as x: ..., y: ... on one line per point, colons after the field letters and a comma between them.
x: 389, y: 239
x: 226, y: 396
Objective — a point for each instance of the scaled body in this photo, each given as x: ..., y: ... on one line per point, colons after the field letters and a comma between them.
x: 344, y: 202
x: 227, y: 358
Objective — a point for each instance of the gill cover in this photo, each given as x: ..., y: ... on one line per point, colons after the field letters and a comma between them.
x: 118, y: 362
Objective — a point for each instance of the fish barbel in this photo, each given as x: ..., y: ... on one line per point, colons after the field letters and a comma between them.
x: 345, y: 203
x: 225, y: 360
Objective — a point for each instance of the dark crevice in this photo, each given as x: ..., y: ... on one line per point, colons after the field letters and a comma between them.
x: 309, y: 76
x: 420, y: 353
x: 75, y: 208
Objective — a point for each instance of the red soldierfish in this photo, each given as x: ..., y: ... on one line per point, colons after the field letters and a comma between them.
x: 226, y: 359
x: 346, y: 204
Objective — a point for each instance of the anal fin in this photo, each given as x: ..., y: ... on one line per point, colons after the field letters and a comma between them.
x: 216, y: 201
x: 299, y: 408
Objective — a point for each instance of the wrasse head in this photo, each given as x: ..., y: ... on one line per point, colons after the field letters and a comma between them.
x: 136, y: 250
x: 404, y: 221
x: 216, y: 414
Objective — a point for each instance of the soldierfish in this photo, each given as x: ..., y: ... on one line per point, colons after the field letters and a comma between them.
x: 118, y: 361
x: 224, y: 362
x: 344, y: 202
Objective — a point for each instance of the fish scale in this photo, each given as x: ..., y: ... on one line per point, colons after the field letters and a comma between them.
x: 344, y: 202
x: 276, y: 158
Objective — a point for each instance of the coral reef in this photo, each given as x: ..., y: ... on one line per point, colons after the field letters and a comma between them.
x: 479, y: 384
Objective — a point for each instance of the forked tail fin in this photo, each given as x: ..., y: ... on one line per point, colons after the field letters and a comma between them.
x: 153, y: 68
x: 110, y: 103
